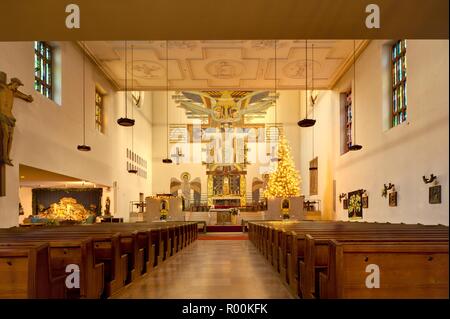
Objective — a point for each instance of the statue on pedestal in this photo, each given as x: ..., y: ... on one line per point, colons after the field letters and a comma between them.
x: 107, y: 211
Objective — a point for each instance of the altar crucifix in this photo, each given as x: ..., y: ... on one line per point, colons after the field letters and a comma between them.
x: 178, y: 154
x: 8, y: 91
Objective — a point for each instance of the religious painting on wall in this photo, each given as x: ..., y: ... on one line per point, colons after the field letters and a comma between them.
x: 218, y: 107
x: 393, y: 199
x: 163, y: 209
x: 285, y: 207
x: 435, y: 194
x: 365, y: 201
x: 345, y: 204
x: 355, y: 209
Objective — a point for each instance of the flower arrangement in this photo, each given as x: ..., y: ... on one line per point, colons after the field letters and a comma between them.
x: 163, y: 214
x: 354, y: 205
x: 234, y: 211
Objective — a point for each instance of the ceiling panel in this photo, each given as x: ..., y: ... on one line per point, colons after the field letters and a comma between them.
x: 235, y: 65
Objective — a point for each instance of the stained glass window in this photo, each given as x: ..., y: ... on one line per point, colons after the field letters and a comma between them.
x: 43, y: 68
x: 348, y: 120
x: 99, y: 112
x: 399, y: 88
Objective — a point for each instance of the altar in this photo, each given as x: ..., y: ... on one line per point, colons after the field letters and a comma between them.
x: 226, y: 185
x: 223, y: 216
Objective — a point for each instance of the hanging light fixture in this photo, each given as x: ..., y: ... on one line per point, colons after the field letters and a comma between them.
x: 354, y: 147
x: 306, y: 122
x: 132, y: 169
x: 167, y: 160
x: 84, y: 147
x: 275, y: 158
x: 313, y: 101
x: 125, y: 121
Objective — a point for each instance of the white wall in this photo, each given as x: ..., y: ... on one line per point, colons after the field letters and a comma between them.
x: 400, y: 155
x: 317, y: 141
x: 47, y: 134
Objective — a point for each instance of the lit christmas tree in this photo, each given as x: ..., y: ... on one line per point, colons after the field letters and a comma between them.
x: 285, y: 181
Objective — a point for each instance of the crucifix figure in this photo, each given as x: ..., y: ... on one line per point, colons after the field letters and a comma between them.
x: 178, y: 154
x: 8, y: 91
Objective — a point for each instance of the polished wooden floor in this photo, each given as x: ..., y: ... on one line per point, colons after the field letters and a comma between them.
x: 211, y: 269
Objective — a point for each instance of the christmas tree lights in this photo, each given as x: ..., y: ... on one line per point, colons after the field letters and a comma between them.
x: 285, y: 180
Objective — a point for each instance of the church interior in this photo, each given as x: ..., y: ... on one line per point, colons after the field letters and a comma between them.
x: 159, y: 167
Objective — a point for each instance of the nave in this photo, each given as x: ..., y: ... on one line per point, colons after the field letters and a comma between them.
x: 212, y: 268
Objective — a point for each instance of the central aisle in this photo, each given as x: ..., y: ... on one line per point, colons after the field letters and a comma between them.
x: 212, y: 269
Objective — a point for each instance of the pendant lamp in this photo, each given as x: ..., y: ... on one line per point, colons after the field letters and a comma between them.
x: 132, y: 169
x: 306, y: 122
x: 354, y: 147
x: 167, y: 160
x: 125, y: 121
x: 313, y: 101
x: 84, y: 147
x: 276, y: 159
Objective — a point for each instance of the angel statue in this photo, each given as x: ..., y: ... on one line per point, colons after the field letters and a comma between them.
x: 226, y: 108
x: 186, y: 185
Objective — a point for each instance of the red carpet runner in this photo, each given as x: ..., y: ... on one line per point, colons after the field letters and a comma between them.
x: 224, y: 228
x: 222, y: 237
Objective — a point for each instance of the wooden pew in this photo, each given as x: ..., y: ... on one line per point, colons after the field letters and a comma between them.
x: 25, y: 272
x: 281, y: 247
x: 65, y: 251
x: 317, y: 251
x: 122, y: 252
x: 287, y: 240
x: 305, y: 269
x: 407, y: 270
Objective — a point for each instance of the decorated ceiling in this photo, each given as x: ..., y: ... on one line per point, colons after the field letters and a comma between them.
x: 223, y: 65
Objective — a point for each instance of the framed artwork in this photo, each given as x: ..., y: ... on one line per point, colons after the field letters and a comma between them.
x: 345, y: 203
x: 435, y: 195
x: 365, y: 201
x: 164, y: 205
x: 285, y: 204
x: 355, y: 209
x: 393, y: 199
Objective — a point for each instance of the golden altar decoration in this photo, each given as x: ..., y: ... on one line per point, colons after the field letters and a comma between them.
x: 66, y: 209
x: 220, y: 185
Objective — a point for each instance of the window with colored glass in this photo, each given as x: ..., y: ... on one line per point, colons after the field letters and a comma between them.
x: 348, y: 121
x: 99, y: 112
x: 399, y: 88
x: 43, y: 68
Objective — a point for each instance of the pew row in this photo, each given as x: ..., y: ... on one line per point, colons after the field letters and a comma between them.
x: 299, y: 250
x: 110, y: 256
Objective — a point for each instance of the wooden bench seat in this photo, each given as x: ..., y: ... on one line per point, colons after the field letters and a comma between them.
x: 317, y: 253
x: 25, y: 272
x: 407, y: 270
x: 61, y: 253
x: 299, y: 250
x: 109, y: 255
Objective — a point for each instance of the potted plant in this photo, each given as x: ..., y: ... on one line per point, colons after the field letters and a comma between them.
x: 163, y: 214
